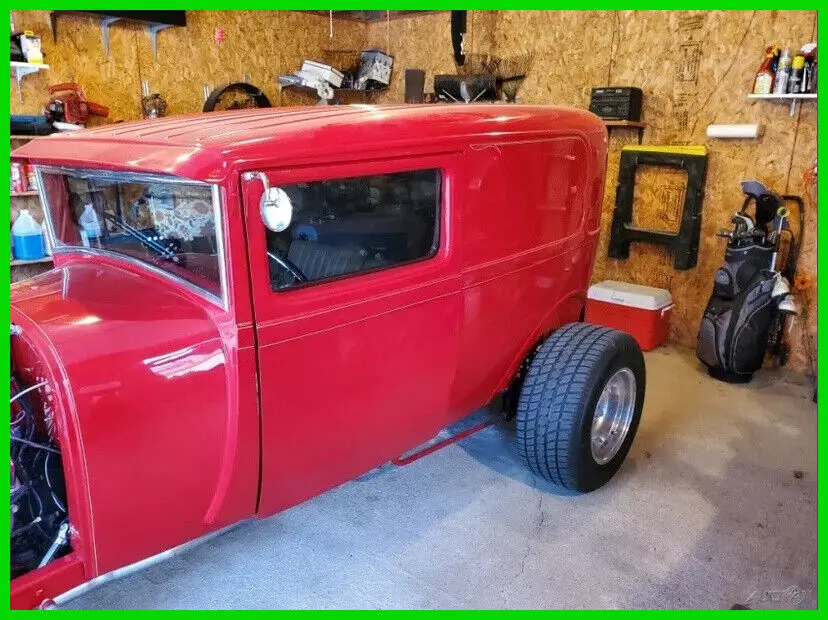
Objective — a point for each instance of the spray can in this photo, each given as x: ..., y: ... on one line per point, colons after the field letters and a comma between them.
x: 809, y: 50
x: 783, y: 73
x: 812, y: 87
x: 797, y: 73
x: 807, y: 74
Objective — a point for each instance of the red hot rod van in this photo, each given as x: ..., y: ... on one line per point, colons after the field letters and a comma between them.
x: 250, y: 308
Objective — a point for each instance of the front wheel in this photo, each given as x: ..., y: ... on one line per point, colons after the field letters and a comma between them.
x: 580, y: 405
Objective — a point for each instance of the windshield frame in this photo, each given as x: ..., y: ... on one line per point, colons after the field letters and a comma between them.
x: 60, y: 247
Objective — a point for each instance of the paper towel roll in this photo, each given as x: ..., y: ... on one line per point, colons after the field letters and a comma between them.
x: 734, y: 131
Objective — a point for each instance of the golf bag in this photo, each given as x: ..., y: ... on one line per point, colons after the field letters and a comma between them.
x: 750, y: 298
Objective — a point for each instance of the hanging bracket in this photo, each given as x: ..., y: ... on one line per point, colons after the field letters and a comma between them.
x: 154, y: 29
x: 106, y: 22
x: 21, y: 69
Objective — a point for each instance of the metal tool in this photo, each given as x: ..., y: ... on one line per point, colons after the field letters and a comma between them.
x: 61, y: 539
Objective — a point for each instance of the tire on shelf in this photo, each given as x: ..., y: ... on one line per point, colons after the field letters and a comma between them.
x: 580, y: 405
x: 253, y: 93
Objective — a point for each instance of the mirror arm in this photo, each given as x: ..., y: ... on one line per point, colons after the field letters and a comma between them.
x: 272, y: 198
x: 263, y: 178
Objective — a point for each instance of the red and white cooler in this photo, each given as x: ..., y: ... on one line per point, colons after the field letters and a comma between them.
x: 641, y: 311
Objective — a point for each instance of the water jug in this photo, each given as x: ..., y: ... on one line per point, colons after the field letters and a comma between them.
x: 27, y: 237
x: 90, y: 223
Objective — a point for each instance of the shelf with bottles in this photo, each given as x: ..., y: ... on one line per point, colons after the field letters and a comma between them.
x: 788, y: 77
x: 23, y: 181
x: 794, y: 98
x: 29, y: 244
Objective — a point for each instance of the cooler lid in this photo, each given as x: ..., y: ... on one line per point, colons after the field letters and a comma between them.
x: 631, y: 295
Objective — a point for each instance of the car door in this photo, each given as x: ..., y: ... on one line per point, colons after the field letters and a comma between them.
x: 356, y: 362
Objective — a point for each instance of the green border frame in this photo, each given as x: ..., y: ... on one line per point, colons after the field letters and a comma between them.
x: 822, y: 256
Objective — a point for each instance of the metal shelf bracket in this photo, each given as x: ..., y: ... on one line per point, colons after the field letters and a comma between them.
x: 21, y: 69
x: 154, y: 29
x: 106, y: 22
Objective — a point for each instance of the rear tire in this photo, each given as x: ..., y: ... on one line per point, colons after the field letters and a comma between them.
x: 580, y: 405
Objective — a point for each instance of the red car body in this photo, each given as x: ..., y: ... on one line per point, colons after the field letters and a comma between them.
x: 178, y: 415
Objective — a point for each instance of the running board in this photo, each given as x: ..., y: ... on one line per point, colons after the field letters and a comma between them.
x: 445, y: 438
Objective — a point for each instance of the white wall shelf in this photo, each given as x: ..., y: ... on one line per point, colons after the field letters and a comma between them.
x: 19, y: 70
x: 792, y: 97
x: 17, y: 261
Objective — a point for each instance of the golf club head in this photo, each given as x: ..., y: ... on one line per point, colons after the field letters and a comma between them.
x: 787, y: 305
x: 742, y: 226
x: 781, y: 287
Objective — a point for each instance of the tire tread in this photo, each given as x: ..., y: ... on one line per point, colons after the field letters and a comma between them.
x: 552, y: 398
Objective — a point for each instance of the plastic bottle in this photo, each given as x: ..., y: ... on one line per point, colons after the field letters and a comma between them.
x: 28, y: 237
x: 763, y: 85
x: 783, y: 73
x: 90, y: 223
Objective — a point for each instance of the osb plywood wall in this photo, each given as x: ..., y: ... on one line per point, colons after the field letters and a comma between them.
x: 695, y: 69
x: 424, y: 42
x: 257, y: 44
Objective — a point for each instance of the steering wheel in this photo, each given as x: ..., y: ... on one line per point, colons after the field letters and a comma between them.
x: 288, y: 266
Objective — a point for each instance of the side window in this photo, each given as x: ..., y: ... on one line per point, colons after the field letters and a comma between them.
x: 347, y: 226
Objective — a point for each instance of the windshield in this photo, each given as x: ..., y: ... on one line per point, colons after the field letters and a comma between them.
x: 168, y: 224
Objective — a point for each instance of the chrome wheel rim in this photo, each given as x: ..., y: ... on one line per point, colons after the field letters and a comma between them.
x: 613, y: 416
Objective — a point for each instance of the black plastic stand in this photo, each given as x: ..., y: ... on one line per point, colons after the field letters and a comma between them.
x: 684, y: 245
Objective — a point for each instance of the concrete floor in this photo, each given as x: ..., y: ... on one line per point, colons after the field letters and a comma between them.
x: 716, y: 505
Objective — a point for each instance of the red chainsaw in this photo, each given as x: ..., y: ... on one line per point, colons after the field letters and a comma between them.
x: 67, y: 104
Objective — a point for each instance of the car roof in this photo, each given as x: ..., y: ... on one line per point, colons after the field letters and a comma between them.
x: 207, y: 146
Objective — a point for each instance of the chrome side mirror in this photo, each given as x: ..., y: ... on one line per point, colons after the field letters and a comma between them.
x: 275, y: 207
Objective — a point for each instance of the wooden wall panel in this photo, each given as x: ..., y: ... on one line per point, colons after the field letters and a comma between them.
x: 79, y: 57
x: 804, y: 329
x: 424, y: 42
x: 260, y: 44
x: 695, y: 68
x: 416, y: 43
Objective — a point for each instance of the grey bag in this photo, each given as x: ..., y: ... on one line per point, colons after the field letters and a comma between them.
x: 733, y: 333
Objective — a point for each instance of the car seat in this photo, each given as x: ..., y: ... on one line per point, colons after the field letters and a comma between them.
x: 319, y: 261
